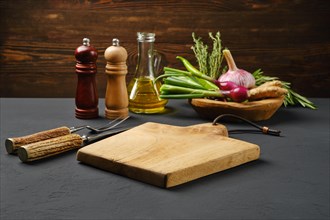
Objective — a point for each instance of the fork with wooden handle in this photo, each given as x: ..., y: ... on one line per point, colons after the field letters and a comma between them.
x: 12, y: 144
x: 57, y: 145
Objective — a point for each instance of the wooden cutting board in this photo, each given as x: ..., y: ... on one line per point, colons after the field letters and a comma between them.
x: 166, y: 156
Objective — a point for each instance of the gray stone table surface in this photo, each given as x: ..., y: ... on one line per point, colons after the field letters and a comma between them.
x: 289, y: 181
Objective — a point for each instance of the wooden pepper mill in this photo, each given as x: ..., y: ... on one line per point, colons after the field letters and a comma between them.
x: 86, y: 93
x: 116, y: 97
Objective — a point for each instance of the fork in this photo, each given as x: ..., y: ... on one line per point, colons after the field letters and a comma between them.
x: 107, y: 127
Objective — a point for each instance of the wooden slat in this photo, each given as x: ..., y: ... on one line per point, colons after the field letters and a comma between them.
x: 288, y: 39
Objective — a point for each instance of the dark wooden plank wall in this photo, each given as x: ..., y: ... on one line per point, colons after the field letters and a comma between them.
x: 288, y: 39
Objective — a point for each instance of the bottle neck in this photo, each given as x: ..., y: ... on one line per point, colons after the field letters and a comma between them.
x: 145, y: 64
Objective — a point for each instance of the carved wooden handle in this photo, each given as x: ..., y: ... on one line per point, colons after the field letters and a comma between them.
x: 12, y: 144
x: 50, y: 147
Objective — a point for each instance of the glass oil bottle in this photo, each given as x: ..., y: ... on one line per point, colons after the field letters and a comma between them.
x: 143, y: 92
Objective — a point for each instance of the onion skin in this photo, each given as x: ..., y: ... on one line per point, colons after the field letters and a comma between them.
x: 226, y: 85
x: 238, y: 76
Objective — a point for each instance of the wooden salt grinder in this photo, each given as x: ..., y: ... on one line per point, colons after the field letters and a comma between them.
x: 86, y: 93
x: 116, y: 97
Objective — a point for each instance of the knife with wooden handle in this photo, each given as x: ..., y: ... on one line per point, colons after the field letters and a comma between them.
x: 57, y: 145
x: 12, y: 144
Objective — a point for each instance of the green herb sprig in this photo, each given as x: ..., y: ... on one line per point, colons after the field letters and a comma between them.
x: 209, y: 62
x: 291, y: 98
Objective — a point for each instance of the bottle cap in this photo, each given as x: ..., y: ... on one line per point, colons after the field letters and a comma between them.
x: 146, y: 37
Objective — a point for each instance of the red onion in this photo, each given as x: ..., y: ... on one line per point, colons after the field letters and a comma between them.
x: 238, y: 94
x: 238, y: 76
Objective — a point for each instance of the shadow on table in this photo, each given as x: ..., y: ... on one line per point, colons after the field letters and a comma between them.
x: 284, y: 115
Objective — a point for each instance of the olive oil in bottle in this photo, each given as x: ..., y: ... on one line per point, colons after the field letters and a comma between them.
x: 144, y: 96
x: 142, y: 91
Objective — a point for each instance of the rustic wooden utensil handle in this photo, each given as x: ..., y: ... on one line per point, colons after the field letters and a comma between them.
x: 49, y: 147
x: 12, y: 144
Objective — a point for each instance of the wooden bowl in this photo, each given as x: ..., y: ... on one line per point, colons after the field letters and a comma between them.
x: 254, y: 111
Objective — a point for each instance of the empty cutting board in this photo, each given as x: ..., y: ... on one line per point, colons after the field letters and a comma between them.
x: 166, y: 155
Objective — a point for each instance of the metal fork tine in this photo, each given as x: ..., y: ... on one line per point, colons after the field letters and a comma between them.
x: 74, y: 129
x: 108, y: 124
x: 106, y: 128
